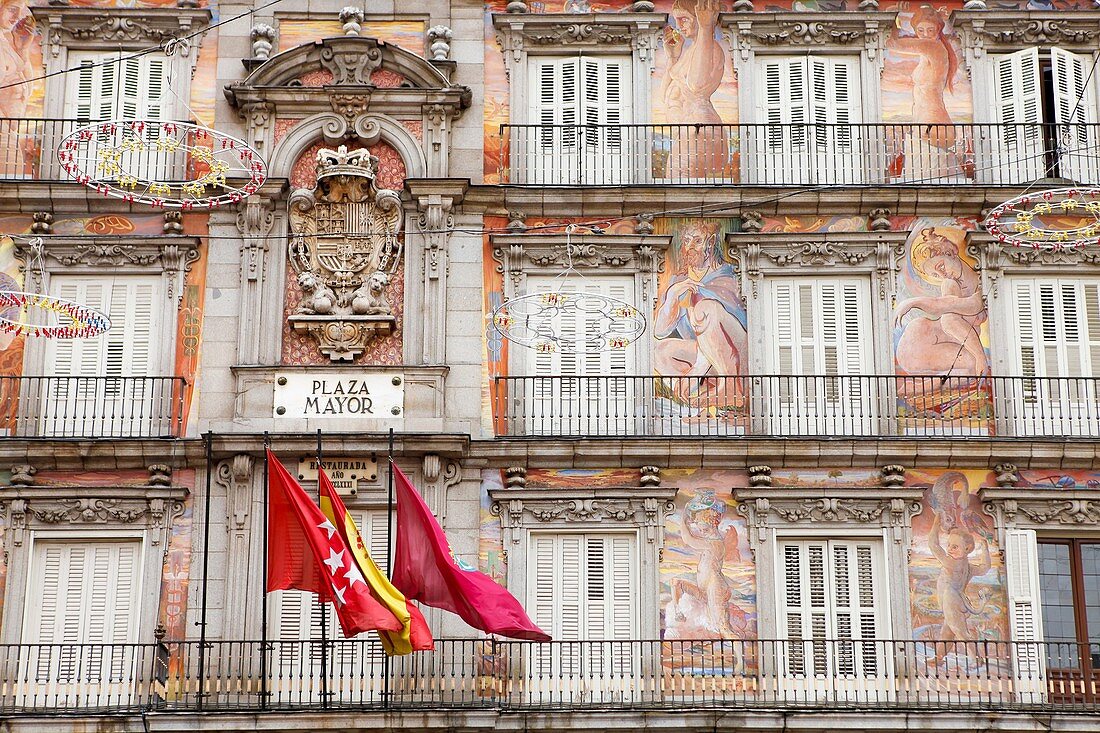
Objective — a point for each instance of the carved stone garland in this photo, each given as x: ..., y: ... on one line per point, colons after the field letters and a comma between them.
x: 344, y: 245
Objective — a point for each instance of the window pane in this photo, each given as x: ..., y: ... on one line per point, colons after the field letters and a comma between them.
x: 1056, y: 594
x: 1090, y: 569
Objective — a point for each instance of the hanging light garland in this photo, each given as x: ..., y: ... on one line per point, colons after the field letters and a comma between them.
x: 168, y: 165
x: 77, y: 320
x: 1058, y: 219
x: 603, y: 322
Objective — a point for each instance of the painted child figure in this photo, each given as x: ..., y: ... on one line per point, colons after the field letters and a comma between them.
x: 956, y: 576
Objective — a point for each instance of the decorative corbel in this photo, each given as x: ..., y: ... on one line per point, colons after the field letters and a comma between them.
x: 649, y: 476
x: 236, y: 476
x: 515, y: 477
x: 892, y: 475
x: 760, y: 476
x: 160, y: 474
x: 435, y: 221
x: 255, y: 220
x: 17, y: 521
x: 23, y: 475
x: 1007, y: 476
x: 42, y: 222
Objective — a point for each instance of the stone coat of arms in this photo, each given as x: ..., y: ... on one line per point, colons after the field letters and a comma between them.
x: 345, y: 247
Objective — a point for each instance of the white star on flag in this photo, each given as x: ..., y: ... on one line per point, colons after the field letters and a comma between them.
x: 328, y: 527
x: 354, y: 576
x: 335, y: 560
x: 339, y: 593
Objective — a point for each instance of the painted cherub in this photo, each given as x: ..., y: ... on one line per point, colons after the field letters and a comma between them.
x: 957, y: 573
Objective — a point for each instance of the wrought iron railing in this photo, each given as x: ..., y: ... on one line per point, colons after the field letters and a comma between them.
x: 91, y: 407
x: 463, y: 673
x: 28, y: 151
x: 798, y: 154
x: 781, y: 406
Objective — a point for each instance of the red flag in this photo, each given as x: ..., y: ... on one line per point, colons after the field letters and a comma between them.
x: 426, y: 570
x: 414, y: 635
x: 305, y: 551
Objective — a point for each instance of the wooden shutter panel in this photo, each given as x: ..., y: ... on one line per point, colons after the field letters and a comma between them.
x: 822, y: 326
x: 1058, y: 325
x: 1073, y: 99
x: 833, y: 101
x: 784, y: 303
x: 555, y: 101
x: 784, y: 100
x: 1029, y: 362
x: 1019, y: 99
x: 1022, y: 561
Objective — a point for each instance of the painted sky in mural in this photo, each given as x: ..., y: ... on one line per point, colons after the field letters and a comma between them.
x: 956, y: 576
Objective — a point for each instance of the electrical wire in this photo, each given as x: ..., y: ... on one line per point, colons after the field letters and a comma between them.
x: 144, y: 51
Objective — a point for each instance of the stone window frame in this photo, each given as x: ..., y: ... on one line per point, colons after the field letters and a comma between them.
x: 985, y: 33
x: 169, y: 256
x: 853, y: 34
x: 629, y: 34
x: 144, y: 513
x: 641, y: 510
x: 641, y: 256
x: 776, y: 512
x: 121, y: 29
x: 877, y: 255
x: 997, y: 264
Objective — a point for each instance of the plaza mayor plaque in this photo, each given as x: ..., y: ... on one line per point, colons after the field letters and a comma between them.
x: 378, y: 396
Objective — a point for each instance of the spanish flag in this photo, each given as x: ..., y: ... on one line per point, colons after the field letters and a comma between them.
x: 414, y: 635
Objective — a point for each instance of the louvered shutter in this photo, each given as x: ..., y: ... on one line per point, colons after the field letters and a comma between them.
x: 581, y: 586
x: 1058, y: 322
x: 1022, y: 567
x: 92, y: 91
x: 550, y: 151
x: 84, y: 593
x: 834, y: 111
x: 1075, y: 114
x: 1018, y: 101
x: 822, y: 326
x: 827, y: 591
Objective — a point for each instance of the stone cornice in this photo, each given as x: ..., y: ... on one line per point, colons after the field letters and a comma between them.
x: 119, y: 27
x: 642, y: 507
x: 635, y: 252
x: 819, y: 31
x: 1050, y: 508
x: 551, y: 32
x: 1000, y: 31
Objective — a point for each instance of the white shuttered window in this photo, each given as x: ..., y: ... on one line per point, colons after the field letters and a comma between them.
x: 581, y: 586
x: 105, y: 87
x: 82, y: 592
x: 1075, y: 113
x: 580, y: 105
x: 822, y: 326
x: 1057, y: 326
x: 830, y: 592
x: 585, y: 388
x: 811, y: 110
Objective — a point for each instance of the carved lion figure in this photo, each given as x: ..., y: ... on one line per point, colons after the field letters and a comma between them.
x: 317, y: 298
x: 370, y: 298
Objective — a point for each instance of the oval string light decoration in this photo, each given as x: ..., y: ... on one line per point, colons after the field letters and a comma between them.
x: 533, y: 320
x: 1058, y: 219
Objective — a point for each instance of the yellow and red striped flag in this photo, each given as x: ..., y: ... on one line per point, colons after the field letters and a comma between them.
x: 414, y: 635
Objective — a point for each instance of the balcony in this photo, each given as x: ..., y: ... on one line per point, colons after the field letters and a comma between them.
x: 797, y: 406
x: 91, y: 407
x: 28, y: 151
x: 798, y: 154
x: 514, y: 675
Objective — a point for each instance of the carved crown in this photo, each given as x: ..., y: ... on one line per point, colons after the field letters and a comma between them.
x: 342, y: 162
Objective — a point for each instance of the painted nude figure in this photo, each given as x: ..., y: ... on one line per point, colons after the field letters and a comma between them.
x: 699, y: 328
x: 957, y: 573
x: 716, y: 543
x: 937, y: 64
x: 945, y: 336
x: 696, y: 64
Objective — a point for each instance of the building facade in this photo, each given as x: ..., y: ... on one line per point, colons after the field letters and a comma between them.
x: 815, y: 451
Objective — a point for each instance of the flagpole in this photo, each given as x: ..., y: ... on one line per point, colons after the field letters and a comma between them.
x: 205, y: 571
x: 263, y: 590
x: 389, y: 565
x: 324, y: 610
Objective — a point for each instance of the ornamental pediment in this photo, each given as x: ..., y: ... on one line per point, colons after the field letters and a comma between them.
x: 777, y: 32
x: 77, y: 27
x: 611, y: 32
x: 999, y: 31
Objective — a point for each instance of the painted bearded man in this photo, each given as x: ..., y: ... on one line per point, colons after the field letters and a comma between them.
x: 700, y: 322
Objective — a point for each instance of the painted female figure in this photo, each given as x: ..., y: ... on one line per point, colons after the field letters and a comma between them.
x: 696, y: 64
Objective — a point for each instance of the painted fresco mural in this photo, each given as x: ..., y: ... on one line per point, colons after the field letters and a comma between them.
x: 956, y: 576
x: 409, y: 34
x: 699, y: 326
